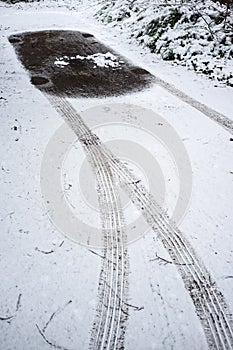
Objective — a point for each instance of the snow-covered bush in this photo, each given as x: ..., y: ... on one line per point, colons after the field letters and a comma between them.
x: 197, y: 34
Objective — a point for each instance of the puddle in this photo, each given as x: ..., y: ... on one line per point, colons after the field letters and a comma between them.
x: 72, y: 63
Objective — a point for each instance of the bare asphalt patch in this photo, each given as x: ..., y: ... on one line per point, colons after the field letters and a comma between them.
x: 72, y: 63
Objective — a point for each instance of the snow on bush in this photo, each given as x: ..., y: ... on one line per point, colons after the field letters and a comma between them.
x: 196, y: 34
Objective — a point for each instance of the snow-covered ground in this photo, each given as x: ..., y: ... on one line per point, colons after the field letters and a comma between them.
x: 195, y: 34
x: 42, y: 271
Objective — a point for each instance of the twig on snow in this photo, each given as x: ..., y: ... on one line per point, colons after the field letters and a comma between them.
x: 44, y: 251
x: 61, y: 244
x: 7, y: 318
x: 48, y: 341
x: 54, y: 314
x: 160, y: 259
x: 42, y: 331
x: 48, y: 251
x: 18, y: 306
x: 101, y: 256
x: 93, y: 252
x: 165, y: 261
x: 136, y: 308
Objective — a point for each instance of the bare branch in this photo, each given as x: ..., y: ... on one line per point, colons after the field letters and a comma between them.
x: 165, y: 261
x: 59, y: 310
x: 48, y: 341
x: 18, y: 304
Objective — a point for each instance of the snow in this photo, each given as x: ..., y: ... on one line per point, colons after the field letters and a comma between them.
x: 48, y: 281
x: 99, y: 59
x: 61, y: 62
x: 195, y: 32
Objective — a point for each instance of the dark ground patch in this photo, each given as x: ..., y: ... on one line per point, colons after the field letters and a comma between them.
x: 43, y: 52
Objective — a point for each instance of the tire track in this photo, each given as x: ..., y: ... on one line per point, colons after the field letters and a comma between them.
x: 112, y: 312
x: 219, y: 118
x: 109, y: 325
x: 209, y: 302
